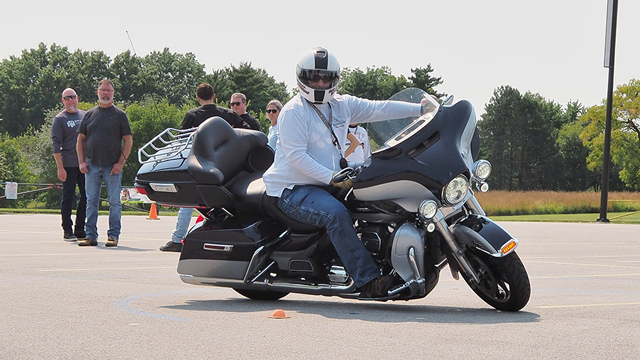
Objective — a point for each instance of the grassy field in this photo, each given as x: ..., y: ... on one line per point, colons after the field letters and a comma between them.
x: 548, y: 206
x: 498, y: 203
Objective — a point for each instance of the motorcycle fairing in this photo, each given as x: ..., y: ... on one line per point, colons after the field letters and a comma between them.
x: 439, y: 152
x: 483, y: 234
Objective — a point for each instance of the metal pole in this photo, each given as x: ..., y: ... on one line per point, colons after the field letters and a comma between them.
x: 612, y: 19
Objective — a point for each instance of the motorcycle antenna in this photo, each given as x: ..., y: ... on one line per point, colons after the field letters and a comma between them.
x: 135, y: 54
x: 131, y: 42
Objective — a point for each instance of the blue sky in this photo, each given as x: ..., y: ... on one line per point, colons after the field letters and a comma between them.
x: 551, y: 47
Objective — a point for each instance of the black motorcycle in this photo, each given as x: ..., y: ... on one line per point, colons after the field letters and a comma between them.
x: 413, y: 207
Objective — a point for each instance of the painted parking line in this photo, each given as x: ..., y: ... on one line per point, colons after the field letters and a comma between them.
x: 109, y: 269
x: 581, y: 264
x: 60, y: 241
x: 119, y: 252
x: 586, y: 305
x: 126, y: 304
x: 583, y: 276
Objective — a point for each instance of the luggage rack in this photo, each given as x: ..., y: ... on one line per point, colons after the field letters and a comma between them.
x: 171, y: 142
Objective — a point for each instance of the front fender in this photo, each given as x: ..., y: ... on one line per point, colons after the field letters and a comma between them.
x: 482, y: 233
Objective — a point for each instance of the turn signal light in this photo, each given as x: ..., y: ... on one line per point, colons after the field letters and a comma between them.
x: 508, y: 247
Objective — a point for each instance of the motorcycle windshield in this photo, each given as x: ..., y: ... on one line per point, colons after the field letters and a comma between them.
x: 386, y: 134
x: 430, y: 150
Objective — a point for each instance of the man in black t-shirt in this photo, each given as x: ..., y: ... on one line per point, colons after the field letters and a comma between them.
x: 104, y: 143
x: 207, y: 109
x: 193, y: 118
x: 239, y: 104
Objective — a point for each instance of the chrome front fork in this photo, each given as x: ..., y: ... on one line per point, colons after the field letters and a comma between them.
x: 449, y: 238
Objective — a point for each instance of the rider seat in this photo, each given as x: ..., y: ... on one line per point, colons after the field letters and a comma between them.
x: 251, y: 195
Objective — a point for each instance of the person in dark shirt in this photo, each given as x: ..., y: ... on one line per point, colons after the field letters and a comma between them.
x: 239, y: 104
x: 194, y: 117
x: 104, y: 143
x: 64, y: 135
x: 207, y: 109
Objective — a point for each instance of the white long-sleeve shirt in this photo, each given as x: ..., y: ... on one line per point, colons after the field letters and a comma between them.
x: 306, y: 154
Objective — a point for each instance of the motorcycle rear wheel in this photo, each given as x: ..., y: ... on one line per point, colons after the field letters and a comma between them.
x: 261, y: 294
x: 504, y: 283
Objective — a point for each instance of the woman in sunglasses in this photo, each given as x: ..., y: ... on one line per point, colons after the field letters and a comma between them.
x: 273, y: 110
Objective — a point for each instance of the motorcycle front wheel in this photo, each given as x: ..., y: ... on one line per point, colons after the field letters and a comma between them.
x: 261, y: 295
x: 504, y: 283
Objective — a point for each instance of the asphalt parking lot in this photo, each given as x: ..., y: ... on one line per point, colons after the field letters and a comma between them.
x: 61, y: 301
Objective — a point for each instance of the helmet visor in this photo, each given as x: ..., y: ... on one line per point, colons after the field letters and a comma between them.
x: 319, y: 79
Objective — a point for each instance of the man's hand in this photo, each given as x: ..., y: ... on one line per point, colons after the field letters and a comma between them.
x: 116, y: 169
x: 84, y: 168
x: 62, y: 174
x: 347, y: 183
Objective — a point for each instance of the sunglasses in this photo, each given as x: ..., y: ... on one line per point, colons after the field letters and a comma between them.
x: 235, y: 103
x: 272, y: 111
x: 67, y: 98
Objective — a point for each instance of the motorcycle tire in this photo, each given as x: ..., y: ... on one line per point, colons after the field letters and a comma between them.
x: 504, y: 283
x: 261, y: 295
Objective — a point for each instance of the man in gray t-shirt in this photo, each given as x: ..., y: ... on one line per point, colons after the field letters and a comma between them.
x: 64, y: 135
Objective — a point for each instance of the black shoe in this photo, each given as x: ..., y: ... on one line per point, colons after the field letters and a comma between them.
x: 171, y: 246
x: 377, y: 288
x: 80, y: 234
x: 69, y: 237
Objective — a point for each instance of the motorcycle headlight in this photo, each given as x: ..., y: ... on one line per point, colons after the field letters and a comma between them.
x: 428, y: 209
x: 481, y: 170
x: 456, y: 190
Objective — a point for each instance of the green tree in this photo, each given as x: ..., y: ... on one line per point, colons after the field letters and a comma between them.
x: 574, y: 175
x: 374, y: 84
x: 518, y: 134
x: 422, y: 79
x: 173, y: 76
x: 148, y: 119
x: 625, y: 134
x: 15, y: 165
x: 257, y: 85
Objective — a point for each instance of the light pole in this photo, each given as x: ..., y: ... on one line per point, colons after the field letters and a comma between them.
x: 609, y: 60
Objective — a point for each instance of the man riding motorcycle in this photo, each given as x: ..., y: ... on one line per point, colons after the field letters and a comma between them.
x: 313, y: 132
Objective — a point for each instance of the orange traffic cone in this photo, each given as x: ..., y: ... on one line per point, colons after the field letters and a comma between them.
x: 278, y: 314
x: 153, y: 213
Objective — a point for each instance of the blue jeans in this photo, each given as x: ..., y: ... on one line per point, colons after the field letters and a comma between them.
x: 74, y: 176
x: 182, y: 225
x: 93, y: 185
x: 314, y: 205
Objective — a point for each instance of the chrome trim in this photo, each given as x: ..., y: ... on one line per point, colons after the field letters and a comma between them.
x: 451, y: 241
x: 474, y: 205
x: 217, y: 247
x: 164, y: 187
x: 320, y: 289
x: 262, y: 272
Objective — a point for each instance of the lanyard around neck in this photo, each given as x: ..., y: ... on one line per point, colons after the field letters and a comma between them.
x: 336, y: 143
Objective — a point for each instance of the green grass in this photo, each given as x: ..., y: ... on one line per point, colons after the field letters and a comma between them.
x: 614, y: 218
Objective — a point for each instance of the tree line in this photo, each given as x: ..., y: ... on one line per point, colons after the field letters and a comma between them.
x: 533, y: 143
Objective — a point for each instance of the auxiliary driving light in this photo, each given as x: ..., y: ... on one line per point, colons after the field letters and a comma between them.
x: 427, y: 209
x: 482, y: 169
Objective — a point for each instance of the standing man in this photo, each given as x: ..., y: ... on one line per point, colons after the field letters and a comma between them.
x: 64, y: 135
x: 101, y: 155
x: 238, y: 104
x: 194, y: 117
